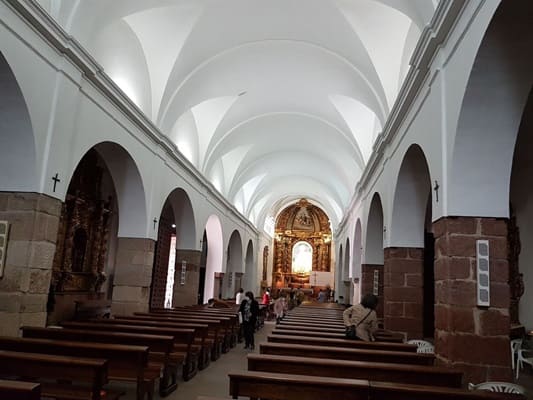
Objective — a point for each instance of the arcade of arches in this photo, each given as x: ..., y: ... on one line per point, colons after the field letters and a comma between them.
x: 379, y: 160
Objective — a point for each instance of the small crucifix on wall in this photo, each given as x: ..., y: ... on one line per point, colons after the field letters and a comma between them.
x: 436, y: 189
x: 155, y: 222
x: 56, y: 180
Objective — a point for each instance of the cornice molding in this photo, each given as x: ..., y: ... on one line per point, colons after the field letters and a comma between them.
x: 39, y: 20
x: 433, y: 37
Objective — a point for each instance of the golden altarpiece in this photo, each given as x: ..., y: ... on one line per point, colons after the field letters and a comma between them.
x: 301, y: 226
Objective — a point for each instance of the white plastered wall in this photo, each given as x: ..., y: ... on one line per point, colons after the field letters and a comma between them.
x: 69, y: 116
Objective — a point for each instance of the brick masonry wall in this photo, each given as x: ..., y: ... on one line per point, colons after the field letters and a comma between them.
x: 34, y: 221
x: 187, y: 294
x: 403, y: 290
x: 133, y: 275
x: 367, y: 284
x: 471, y: 338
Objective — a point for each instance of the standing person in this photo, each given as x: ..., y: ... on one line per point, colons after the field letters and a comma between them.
x: 250, y: 310
x: 280, y: 307
x: 266, y: 297
x: 239, y: 296
x: 321, y: 296
x: 362, y: 318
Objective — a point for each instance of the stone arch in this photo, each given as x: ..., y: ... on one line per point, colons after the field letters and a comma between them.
x: 215, y: 252
x: 357, y: 251
x: 339, y: 274
x: 372, y: 269
x: 129, y: 188
x: 497, y: 89
x: 374, y: 232
x: 356, y: 267
x: 346, y: 261
x: 17, y: 142
x: 175, y: 241
x: 250, y: 273
x: 520, y: 229
x: 413, y: 187
x: 184, y: 219
x: 404, y: 264
x: 234, y: 265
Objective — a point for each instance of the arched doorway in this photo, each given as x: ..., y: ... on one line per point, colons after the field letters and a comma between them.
x: 234, y: 266
x: 406, y: 274
x: 83, y: 264
x: 175, y: 275
x: 215, y: 251
x: 372, y: 269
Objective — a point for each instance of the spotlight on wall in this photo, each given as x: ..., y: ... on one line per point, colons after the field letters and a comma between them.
x: 173, y: 225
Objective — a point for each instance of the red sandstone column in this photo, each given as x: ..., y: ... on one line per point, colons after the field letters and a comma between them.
x: 187, y: 294
x: 34, y: 221
x: 367, y: 284
x: 403, y: 290
x: 133, y: 275
x: 467, y: 337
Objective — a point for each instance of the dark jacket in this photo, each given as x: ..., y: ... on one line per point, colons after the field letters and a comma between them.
x: 254, y: 310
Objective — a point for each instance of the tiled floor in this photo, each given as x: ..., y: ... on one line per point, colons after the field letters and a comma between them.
x: 212, y: 381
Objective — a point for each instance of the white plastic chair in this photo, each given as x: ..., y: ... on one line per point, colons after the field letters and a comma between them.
x: 500, y: 387
x: 423, y: 346
x: 516, y: 344
x: 522, y: 359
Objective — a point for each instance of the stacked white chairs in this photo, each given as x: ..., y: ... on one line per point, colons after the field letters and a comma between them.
x: 525, y: 356
x: 500, y: 387
x: 423, y: 346
x: 516, y: 344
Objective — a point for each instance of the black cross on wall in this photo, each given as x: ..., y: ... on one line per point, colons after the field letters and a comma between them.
x: 55, y: 179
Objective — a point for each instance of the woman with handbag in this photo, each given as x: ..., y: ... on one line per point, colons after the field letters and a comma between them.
x: 361, y: 320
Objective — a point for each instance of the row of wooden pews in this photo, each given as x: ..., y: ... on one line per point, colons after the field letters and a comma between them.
x: 307, y: 357
x: 78, y: 359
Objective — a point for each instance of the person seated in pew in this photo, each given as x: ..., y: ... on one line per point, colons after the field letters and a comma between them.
x: 362, y: 318
x: 215, y: 303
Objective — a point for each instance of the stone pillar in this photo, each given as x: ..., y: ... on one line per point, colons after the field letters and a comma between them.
x: 367, y: 284
x: 133, y: 275
x: 187, y: 294
x: 404, y: 290
x: 471, y: 338
x: 34, y: 221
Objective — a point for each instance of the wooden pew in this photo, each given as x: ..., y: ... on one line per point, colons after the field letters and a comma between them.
x: 216, y: 331
x: 398, y: 391
x: 125, y: 363
x: 274, y: 386
x: 90, y: 371
x: 343, y: 353
x: 201, y: 332
x: 159, y: 347
x: 311, y: 328
x: 386, y: 372
x: 331, y: 335
x: 18, y: 390
x: 227, y: 322
x: 181, y: 336
x: 355, y: 344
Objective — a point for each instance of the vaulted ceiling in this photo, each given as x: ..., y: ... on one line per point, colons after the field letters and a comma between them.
x: 271, y: 100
